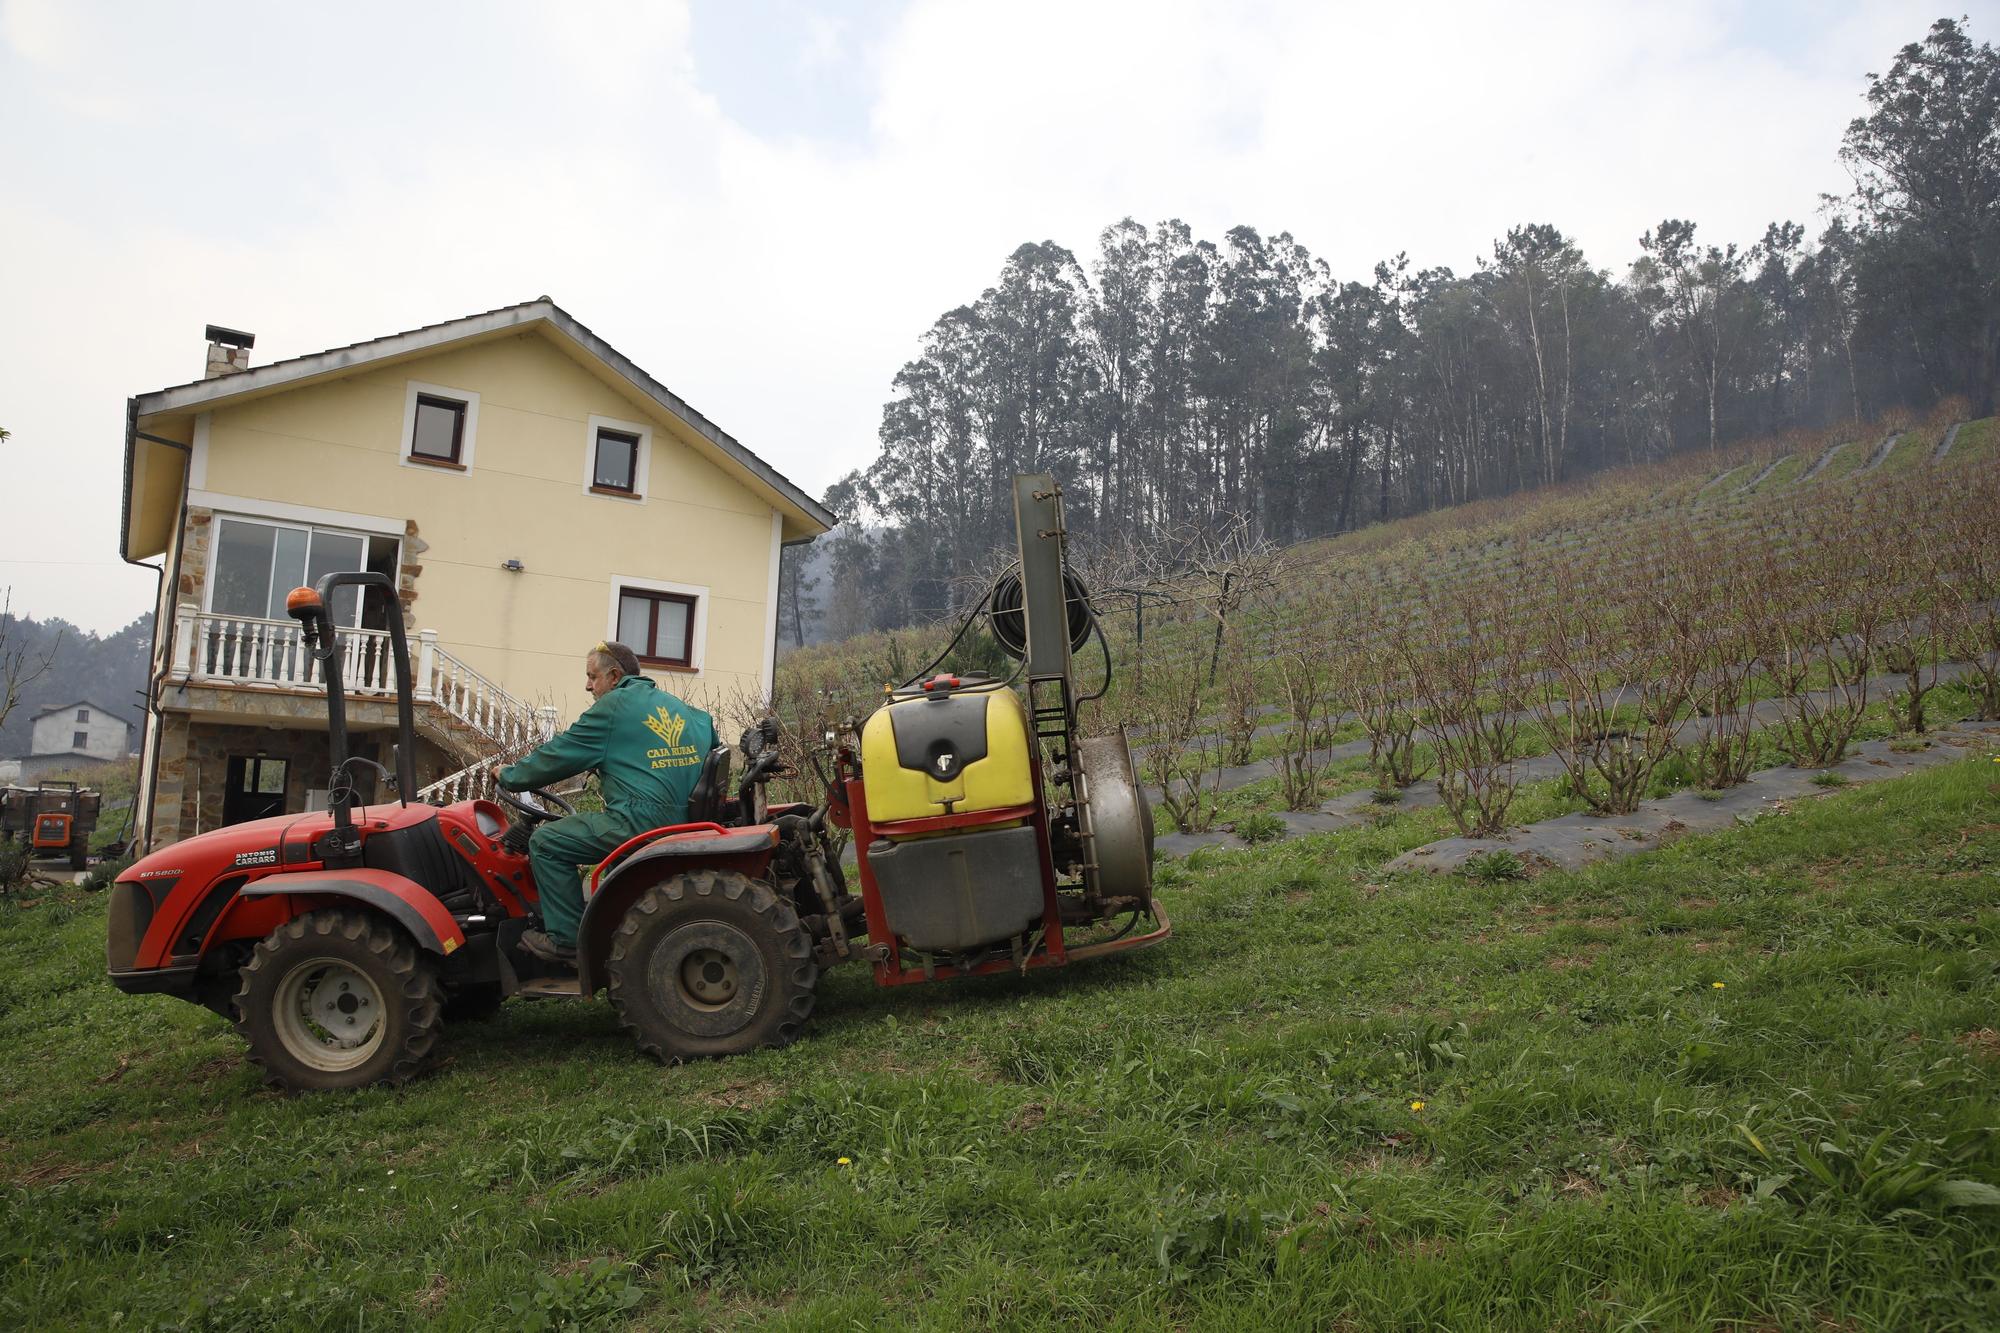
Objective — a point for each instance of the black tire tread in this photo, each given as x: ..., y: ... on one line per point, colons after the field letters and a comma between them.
x: 693, y: 886
x: 411, y: 974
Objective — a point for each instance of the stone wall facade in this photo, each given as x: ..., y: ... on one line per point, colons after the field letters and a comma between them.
x: 192, y: 788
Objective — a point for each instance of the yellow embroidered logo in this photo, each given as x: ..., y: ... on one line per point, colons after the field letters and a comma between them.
x: 666, y: 725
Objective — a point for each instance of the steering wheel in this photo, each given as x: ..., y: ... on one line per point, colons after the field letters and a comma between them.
x: 531, y: 810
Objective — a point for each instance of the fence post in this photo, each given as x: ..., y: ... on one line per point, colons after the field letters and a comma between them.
x: 184, y: 631
x: 1139, y: 632
x: 427, y: 642
x: 1221, y: 623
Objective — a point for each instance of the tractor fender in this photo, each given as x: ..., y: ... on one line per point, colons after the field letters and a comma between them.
x: 402, y: 900
x: 744, y: 850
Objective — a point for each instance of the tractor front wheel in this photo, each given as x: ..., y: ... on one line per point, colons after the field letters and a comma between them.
x: 338, y: 999
x: 710, y: 963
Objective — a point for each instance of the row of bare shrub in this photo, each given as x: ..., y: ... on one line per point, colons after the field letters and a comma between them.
x: 1630, y: 633
x: 1680, y: 647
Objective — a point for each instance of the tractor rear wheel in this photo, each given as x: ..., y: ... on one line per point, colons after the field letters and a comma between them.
x: 711, y: 963
x: 339, y: 999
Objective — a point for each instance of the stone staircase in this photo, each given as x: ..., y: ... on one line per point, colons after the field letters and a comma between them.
x: 473, y: 718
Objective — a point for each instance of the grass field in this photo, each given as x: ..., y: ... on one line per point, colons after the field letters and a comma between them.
x: 1745, y: 1082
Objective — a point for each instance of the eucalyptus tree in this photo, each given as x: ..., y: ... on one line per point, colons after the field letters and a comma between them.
x: 1695, y: 295
x: 1034, y: 377
x: 1832, y: 303
x: 1447, y: 397
x: 1530, y: 279
x: 1778, y: 262
x: 1256, y: 377
x: 1172, y: 409
x: 1122, y: 324
x: 1356, y: 324
x: 1926, y: 165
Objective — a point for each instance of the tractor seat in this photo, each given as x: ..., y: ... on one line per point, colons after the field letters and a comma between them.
x: 711, y: 789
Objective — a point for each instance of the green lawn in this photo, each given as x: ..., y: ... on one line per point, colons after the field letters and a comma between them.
x: 1746, y: 1082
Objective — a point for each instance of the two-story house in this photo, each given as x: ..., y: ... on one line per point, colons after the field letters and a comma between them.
x: 531, y: 491
x: 78, y: 734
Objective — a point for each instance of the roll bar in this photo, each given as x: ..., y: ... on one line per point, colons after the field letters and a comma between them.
x: 308, y: 607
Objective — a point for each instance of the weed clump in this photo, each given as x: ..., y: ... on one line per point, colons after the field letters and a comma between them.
x: 1260, y: 826
x: 1495, y: 866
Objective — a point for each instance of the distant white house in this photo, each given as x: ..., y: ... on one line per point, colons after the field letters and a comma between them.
x: 75, y: 735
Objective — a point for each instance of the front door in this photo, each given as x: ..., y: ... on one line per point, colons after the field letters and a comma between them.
x: 256, y: 788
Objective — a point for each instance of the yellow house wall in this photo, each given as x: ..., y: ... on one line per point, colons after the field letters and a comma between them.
x: 338, y: 447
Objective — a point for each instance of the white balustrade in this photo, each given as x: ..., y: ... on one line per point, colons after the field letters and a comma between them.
x: 213, y: 649
x: 247, y: 651
x: 491, y: 711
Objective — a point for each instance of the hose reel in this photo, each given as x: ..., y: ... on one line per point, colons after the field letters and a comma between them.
x: 1004, y: 612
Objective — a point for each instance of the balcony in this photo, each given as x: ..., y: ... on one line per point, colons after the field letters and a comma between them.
x: 246, y: 653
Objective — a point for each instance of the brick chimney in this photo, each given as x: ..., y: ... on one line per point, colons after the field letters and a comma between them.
x: 228, y: 351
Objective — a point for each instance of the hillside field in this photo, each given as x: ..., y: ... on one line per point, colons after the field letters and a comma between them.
x: 1745, y: 1081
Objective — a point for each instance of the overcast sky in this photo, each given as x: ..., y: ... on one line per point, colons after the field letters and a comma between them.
x: 765, y: 204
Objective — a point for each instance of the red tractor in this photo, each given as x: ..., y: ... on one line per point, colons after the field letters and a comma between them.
x: 341, y: 941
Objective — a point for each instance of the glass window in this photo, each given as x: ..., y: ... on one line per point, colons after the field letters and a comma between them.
x: 635, y: 621
x: 439, y: 430
x: 617, y: 461
x: 332, y: 553
x: 670, y: 627
x: 383, y: 555
x: 257, y: 564
x: 240, y: 581
x: 79, y: 740
x: 83, y: 715
x: 656, y: 625
x: 288, y: 568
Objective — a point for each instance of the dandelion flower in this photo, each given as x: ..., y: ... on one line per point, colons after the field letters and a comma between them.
x: 1716, y: 985
x: 845, y: 1161
x: 1417, y: 1105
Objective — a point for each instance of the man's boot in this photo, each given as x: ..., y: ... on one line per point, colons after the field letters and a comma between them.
x: 547, y: 948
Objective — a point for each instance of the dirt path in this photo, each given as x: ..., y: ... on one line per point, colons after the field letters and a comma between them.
x: 1882, y: 452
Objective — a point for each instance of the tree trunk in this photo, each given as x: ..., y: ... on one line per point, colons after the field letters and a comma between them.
x: 798, y: 617
x: 1388, y: 452
x: 1347, y: 489
x: 1989, y: 370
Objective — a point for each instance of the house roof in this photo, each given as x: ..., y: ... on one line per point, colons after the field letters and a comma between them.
x: 150, y: 458
x: 114, y: 713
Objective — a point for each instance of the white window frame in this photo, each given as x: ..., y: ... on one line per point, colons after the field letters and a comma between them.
x: 467, y: 440
x: 641, y: 467
x: 697, y: 631
x: 208, y: 579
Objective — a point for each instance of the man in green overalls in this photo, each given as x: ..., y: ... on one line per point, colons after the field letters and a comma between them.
x: 647, y: 747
